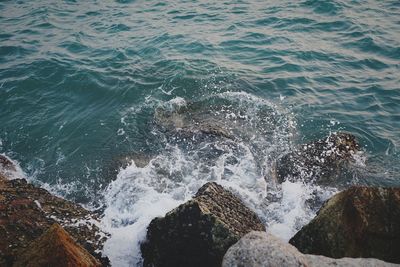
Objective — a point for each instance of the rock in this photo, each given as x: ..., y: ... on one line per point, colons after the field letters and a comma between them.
x: 113, y: 166
x: 190, y: 120
x: 198, y: 232
x: 358, y: 222
x: 27, y: 211
x: 6, y: 164
x: 7, y: 167
x: 262, y: 249
x: 319, y: 161
x: 258, y: 249
x: 55, y: 248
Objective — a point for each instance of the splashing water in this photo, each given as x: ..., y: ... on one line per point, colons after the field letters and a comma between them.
x: 261, y: 130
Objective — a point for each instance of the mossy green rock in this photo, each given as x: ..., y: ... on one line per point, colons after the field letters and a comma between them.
x: 358, y: 222
x: 199, y: 232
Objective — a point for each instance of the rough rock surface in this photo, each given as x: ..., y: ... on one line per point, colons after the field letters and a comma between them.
x: 320, y: 161
x: 27, y: 211
x: 358, y: 222
x: 258, y: 249
x: 55, y: 248
x: 198, y: 232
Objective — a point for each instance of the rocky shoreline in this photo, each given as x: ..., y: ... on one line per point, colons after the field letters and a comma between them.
x: 359, y: 226
x: 27, y: 212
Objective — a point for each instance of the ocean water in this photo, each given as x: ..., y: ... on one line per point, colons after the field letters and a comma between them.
x: 82, y: 82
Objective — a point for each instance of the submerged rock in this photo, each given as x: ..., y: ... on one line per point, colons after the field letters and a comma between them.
x: 55, y: 248
x: 27, y: 211
x: 189, y: 120
x: 263, y: 249
x: 318, y: 161
x: 114, y: 166
x: 198, y: 232
x: 358, y: 222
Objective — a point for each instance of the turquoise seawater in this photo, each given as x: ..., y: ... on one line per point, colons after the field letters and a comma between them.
x: 80, y: 80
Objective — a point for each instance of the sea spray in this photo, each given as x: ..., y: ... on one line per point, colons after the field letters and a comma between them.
x: 262, y: 131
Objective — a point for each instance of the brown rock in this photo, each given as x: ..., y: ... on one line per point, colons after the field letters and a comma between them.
x: 55, y: 248
x: 199, y: 232
x: 26, y: 212
x: 358, y: 222
x: 6, y: 164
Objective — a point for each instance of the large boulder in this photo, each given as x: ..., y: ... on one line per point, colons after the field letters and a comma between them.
x: 55, y: 248
x: 27, y: 211
x: 319, y: 161
x: 358, y: 222
x: 258, y: 249
x: 198, y: 232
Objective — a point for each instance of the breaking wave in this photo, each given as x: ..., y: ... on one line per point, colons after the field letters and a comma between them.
x: 255, y: 132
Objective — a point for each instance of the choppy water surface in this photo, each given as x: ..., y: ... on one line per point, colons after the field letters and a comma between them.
x: 81, y: 84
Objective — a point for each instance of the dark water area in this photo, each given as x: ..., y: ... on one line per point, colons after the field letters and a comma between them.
x: 80, y: 81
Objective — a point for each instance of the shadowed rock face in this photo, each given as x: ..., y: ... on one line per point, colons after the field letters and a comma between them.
x: 358, y: 222
x: 320, y: 161
x: 199, y: 232
x: 263, y: 249
x: 55, y: 248
x: 26, y: 212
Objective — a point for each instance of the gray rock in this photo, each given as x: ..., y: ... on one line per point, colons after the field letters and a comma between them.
x: 199, y: 232
x: 258, y: 249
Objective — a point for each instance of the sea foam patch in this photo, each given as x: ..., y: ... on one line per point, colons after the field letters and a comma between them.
x: 261, y: 131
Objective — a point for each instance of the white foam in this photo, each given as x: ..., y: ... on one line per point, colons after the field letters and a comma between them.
x: 174, y: 176
x: 289, y: 209
x: 134, y: 199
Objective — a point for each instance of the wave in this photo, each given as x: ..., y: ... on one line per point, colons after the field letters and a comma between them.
x: 262, y: 130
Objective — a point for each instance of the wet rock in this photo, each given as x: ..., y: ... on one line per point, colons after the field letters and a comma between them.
x: 198, y: 232
x: 7, y: 167
x: 55, y: 248
x: 321, y: 161
x: 358, y: 222
x: 263, y: 249
x: 26, y: 212
x: 190, y: 120
x: 6, y: 164
x: 113, y: 167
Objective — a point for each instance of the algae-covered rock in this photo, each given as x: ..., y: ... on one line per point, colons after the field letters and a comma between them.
x: 358, y: 222
x: 319, y: 161
x: 198, y: 232
x: 55, y: 248
x: 261, y: 249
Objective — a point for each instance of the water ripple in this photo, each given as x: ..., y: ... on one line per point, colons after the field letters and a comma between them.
x: 69, y: 69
